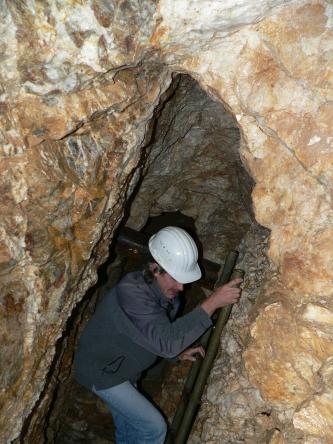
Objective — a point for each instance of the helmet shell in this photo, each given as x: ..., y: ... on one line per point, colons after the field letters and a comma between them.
x: 175, y: 250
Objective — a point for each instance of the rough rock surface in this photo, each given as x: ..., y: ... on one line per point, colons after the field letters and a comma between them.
x: 79, y: 83
x: 232, y: 409
x: 62, y: 200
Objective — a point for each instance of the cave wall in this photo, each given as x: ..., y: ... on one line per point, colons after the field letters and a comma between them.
x: 79, y: 83
x: 232, y: 409
x: 69, y: 153
x: 278, y: 82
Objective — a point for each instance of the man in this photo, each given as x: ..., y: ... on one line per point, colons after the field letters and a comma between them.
x: 135, y: 323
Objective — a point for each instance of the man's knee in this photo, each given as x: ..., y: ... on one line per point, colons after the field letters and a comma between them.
x: 163, y: 428
x: 159, y: 430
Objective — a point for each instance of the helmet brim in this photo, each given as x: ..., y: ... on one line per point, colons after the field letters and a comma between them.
x: 188, y: 277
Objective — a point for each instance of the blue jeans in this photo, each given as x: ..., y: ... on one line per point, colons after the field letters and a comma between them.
x: 137, y: 421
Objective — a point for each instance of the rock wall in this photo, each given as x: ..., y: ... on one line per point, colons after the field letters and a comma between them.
x: 69, y: 154
x: 79, y: 83
x: 232, y: 408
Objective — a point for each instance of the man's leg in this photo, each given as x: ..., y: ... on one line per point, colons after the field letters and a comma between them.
x: 137, y: 421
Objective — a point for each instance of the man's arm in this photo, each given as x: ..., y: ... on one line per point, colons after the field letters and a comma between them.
x: 168, y: 339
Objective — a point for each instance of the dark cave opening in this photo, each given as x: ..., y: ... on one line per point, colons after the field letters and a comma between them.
x: 193, y: 178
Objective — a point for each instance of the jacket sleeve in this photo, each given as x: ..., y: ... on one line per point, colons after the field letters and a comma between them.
x: 171, y: 338
x: 155, y: 332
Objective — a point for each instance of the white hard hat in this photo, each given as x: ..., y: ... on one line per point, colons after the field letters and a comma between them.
x: 175, y: 250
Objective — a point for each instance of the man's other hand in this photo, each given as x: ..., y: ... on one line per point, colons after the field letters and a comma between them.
x: 189, y: 353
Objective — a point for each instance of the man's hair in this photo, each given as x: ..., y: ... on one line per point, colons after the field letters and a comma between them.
x: 148, y: 275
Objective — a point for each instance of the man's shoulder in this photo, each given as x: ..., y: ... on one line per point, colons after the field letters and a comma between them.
x: 133, y: 293
x: 133, y: 283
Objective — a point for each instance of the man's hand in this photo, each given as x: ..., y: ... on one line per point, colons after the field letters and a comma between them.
x: 189, y: 353
x: 222, y: 296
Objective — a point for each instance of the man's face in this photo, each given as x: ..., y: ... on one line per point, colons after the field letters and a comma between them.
x: 168, y: 285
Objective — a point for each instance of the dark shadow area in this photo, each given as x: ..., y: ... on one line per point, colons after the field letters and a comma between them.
x: 80, y: 416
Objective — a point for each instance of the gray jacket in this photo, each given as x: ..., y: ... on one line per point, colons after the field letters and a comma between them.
x: 131, y: 326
